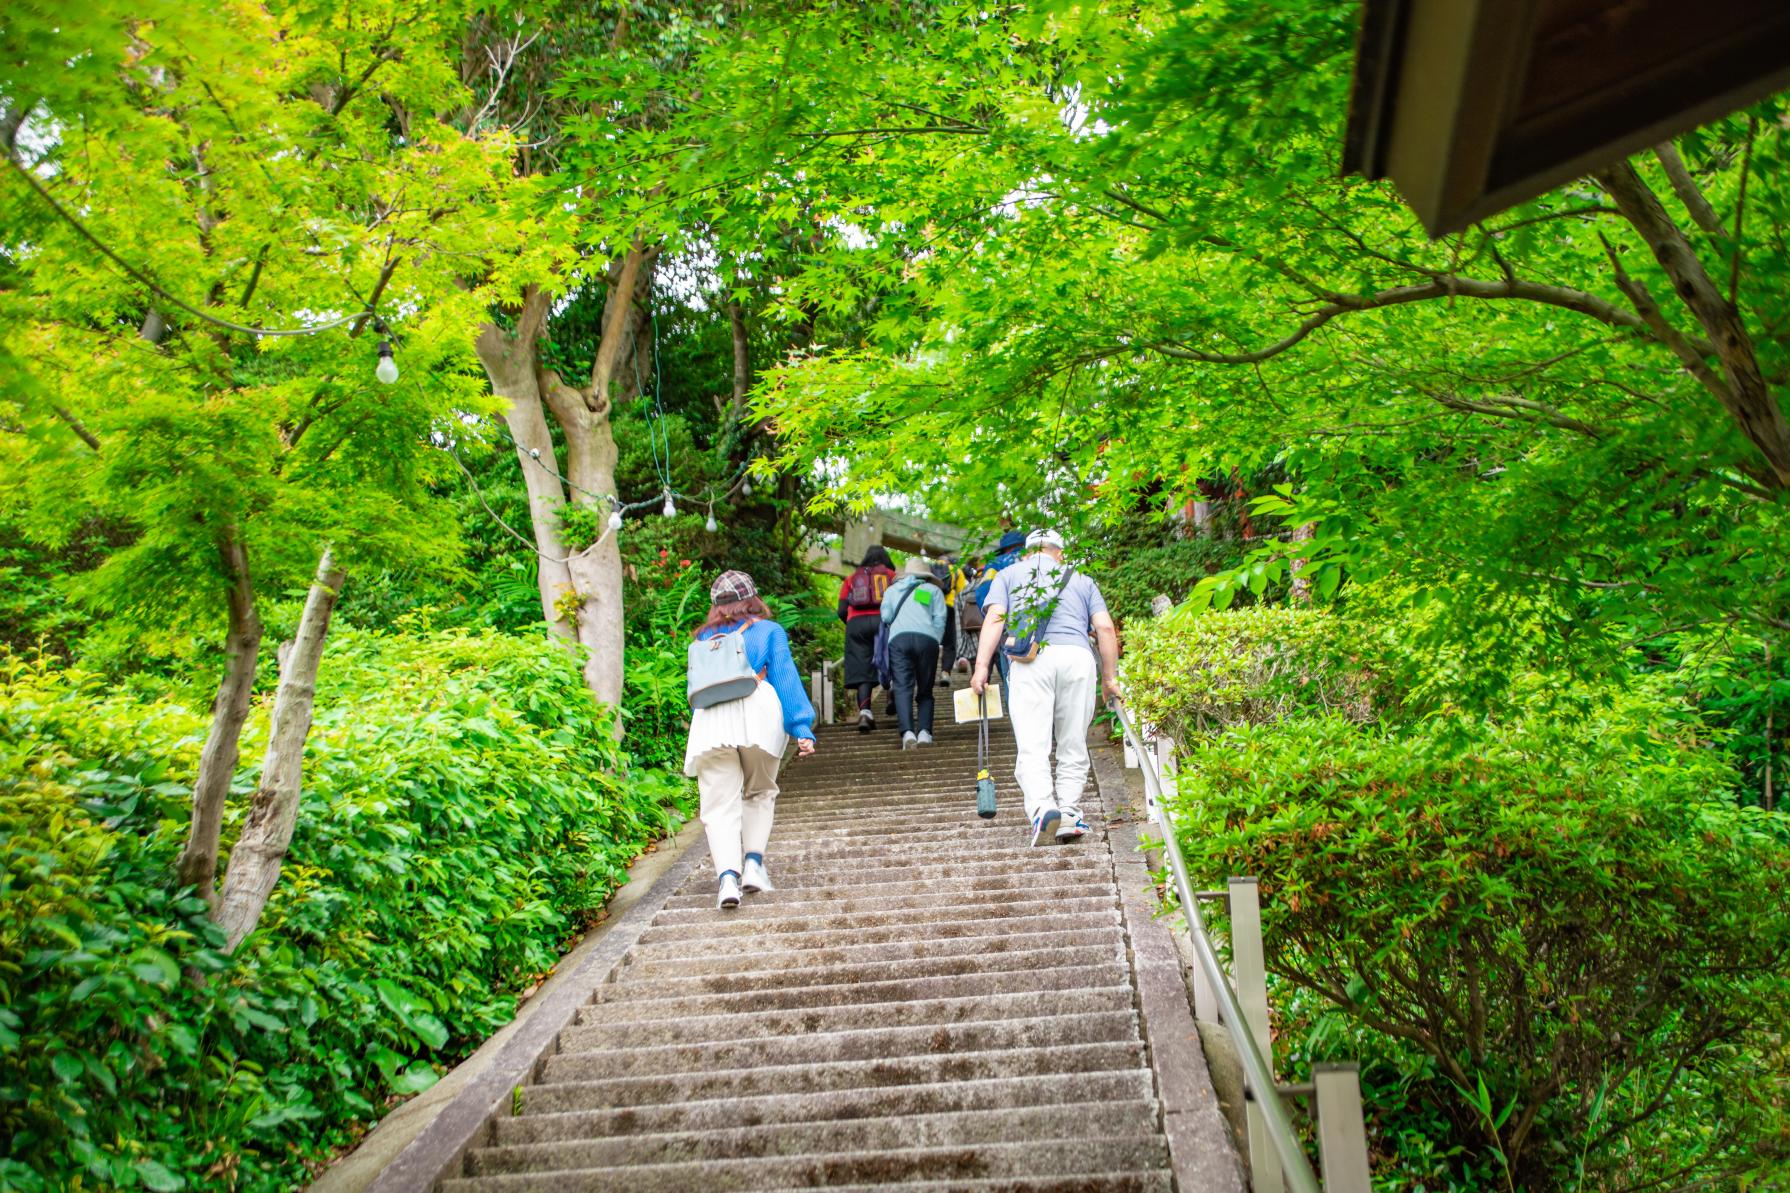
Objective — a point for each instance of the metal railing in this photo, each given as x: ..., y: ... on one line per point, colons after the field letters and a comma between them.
x: 1276, y: 1158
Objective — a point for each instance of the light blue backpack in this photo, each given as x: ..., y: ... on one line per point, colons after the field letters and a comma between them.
x: 719, y: 670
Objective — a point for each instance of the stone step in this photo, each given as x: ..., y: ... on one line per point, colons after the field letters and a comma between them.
x: 537, y: 1123
x: 858, y: 1044
x: 922, y: 820
x: 862, y: 832
x: 604, y: 1025
x: 916, y: 772
x: 1136, y: 1153
x: 900, y: 823
x: 675, y: 941
x: 631, y: 987
x: 1038, y: 980
x: 1009, y: 830
x: 568, y: 1077
x: 1066, y: 901
x: 955, y: 1129
x: 1074, y: 1182
x: 874, y: 868
x: 662, y: 961
x: 1059, y: 871
x: 706, y: 922
x: 926, y: 1002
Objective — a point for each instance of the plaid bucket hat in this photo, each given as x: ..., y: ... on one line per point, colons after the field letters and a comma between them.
x: 730, y: 587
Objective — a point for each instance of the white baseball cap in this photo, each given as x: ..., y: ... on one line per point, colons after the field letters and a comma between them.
x: 1044, y: 538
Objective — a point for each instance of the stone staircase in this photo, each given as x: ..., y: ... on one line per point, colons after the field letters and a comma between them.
x: 926, y: 1002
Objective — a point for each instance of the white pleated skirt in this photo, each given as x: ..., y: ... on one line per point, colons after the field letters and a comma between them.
x: 755, y: 720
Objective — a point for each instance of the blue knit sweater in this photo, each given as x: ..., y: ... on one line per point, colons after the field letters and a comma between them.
x: 767, y: 650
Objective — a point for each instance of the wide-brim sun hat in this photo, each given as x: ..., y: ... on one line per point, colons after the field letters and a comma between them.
x: 1044, y: 538
x: 732, y: 587
x: 1012, y: 541
x: 918, y: 567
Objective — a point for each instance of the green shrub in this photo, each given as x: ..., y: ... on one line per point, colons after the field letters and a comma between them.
x: 1570, y: 947
x: 462, y: 818
x: 1188, y: 674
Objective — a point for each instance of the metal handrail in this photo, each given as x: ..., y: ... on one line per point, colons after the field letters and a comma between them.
x: 1259, y: 1078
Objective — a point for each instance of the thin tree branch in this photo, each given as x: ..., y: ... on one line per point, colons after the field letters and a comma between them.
x: 1688, y: 192
x: 1734, y: 253
x: 1522, y: 409
x: 77, y: 426
x: 1438, y: 288
x: 896, y: 131
x: 1664, y: 330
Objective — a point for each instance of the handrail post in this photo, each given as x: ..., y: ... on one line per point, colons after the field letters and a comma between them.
x: 1342, y: 1135
x: 1249, y: 975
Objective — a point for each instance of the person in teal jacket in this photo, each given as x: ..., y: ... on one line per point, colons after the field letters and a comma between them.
x: 914, y: 615
x: 736, y: 747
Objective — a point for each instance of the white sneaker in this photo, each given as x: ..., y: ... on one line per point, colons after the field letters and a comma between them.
x: 925, y: 738
x: 866, y: 721
x: 1072, y: 827
x: 908, y: 740
x: 729, y: 896
x: 756, y: 879
x: 1044, y: 825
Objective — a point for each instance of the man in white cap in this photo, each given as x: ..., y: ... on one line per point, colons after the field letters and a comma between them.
x: 1048, y: 619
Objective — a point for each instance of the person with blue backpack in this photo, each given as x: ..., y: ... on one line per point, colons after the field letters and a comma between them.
x: 746, y: 703
x: 1007, y: 553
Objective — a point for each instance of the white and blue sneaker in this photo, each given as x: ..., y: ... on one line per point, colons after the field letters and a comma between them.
x: 1044, y: 824
x: 1072, y: 828
x: 728, y: 897
x: 756, y: 879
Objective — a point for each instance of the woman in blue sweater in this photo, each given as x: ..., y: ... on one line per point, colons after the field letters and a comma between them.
x: 736, y: 747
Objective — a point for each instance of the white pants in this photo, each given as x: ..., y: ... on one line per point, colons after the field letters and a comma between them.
x: 739, y: 798
x: 1052, y: 697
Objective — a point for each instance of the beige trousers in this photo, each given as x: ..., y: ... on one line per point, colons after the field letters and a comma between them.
x: 739, y: 798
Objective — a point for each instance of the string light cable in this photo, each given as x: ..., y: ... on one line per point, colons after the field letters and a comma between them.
x: 144, y: 279
x: 708, y: 498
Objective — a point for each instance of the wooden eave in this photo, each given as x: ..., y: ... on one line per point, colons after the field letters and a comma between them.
x: 1472, y: 106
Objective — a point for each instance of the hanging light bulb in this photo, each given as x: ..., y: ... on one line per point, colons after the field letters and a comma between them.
x: 615, y: 520
x: 387, y: 369
x: 711, y: 525
x: 670, y: 508
x: 745, y: 488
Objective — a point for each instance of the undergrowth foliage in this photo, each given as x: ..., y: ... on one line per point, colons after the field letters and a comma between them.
x: 1551, y: 935
x: 463, y: 817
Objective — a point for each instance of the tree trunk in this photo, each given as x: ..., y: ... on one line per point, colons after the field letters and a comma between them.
x: 509, y: 361
x: 255, y: 861
x: 583, y: 417
x: 1300, y: 588
x: 198, y: 863
x: 742, y: 360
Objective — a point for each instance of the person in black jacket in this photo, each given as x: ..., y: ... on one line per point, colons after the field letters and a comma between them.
x: 860, y: 608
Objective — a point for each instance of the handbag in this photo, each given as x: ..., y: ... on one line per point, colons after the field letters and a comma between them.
x: 1024, y: 647
x: 719, y: 670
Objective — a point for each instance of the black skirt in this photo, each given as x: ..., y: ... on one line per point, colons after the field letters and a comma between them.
x: 860, y: 645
